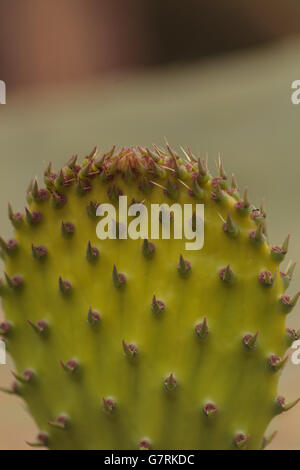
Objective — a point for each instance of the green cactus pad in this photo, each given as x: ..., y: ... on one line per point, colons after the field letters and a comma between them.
x: 127, y: 344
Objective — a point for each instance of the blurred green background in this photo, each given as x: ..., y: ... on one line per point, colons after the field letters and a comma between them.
x: 235, y: 100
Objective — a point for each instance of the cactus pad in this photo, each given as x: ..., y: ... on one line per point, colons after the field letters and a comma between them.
x: 127, y: 344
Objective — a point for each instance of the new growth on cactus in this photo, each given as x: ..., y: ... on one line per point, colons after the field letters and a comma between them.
x: 139, y: 344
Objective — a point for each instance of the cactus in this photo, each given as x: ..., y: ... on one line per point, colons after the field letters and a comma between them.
x: 140, y: 344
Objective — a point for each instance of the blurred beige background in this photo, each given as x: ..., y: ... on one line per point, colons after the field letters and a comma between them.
x: 238, y: 104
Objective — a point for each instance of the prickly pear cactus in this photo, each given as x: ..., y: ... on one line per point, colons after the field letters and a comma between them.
x: 126, y: 344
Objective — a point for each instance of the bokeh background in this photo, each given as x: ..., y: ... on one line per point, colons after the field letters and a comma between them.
x: 213, y: 75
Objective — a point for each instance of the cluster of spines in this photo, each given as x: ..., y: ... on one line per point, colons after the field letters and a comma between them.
x: 142, y: 164
x: 145, y: 165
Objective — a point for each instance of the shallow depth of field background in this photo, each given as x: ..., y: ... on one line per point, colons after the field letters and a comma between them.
x: 213, y: 75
